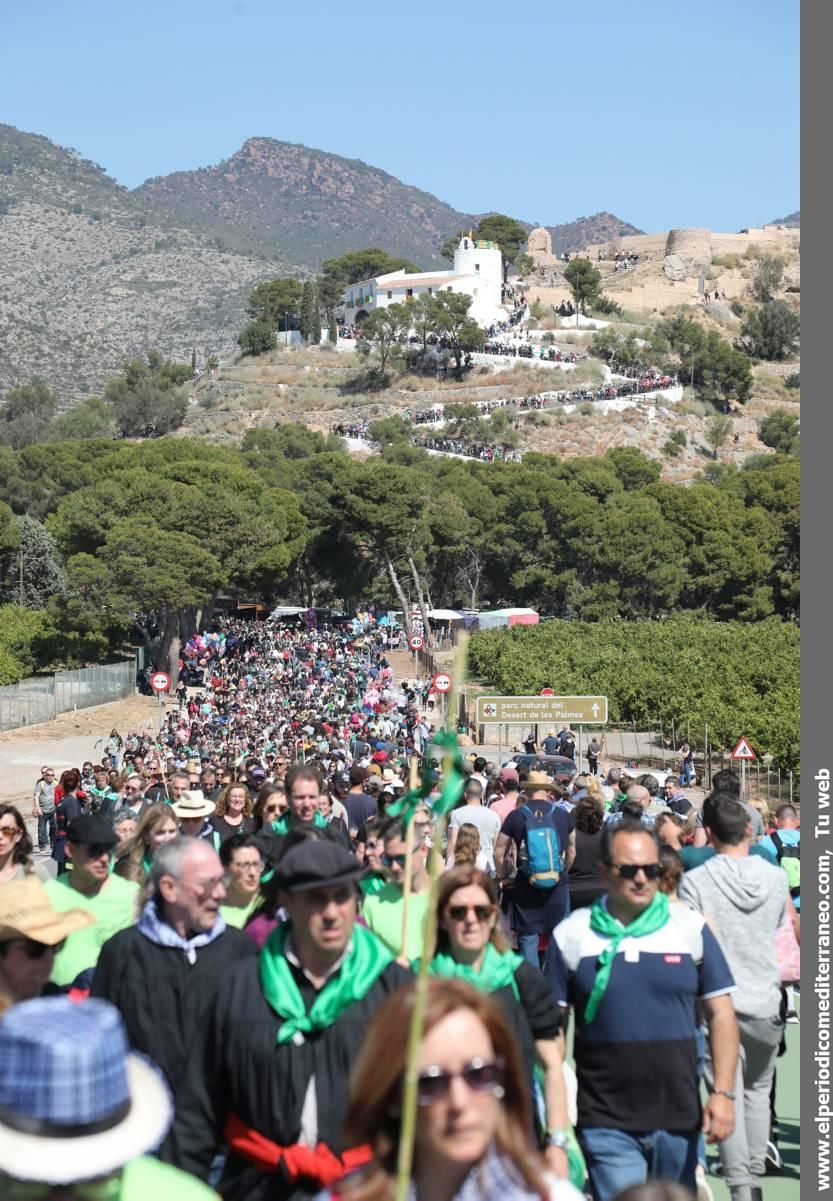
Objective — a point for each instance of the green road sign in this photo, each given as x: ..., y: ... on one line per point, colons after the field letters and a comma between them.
x: 522, y: 710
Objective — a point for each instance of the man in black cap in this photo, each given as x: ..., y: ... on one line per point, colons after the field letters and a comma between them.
x: 269, y: 1074
x: 90, y: 885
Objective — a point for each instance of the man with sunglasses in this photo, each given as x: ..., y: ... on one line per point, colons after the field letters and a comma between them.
x: 269, y: 1072
x: 91, y: 886
x: 384, y: 910
x: 635, y: 969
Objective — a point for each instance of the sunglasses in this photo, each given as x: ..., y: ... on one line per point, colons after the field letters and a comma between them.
x: 628, y: 870
x: 479, y: 1076
x: 389, y: 860
x: 458, y: 913
x: 36, y: 950
x: 102, y: 1188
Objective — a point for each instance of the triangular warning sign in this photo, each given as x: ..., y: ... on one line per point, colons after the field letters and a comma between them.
x: 743, y: 751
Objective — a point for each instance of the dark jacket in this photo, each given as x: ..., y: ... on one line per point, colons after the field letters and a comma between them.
x: 238, y: 1068
x: 163, y: 999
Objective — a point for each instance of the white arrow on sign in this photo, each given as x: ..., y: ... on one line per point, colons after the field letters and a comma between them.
x: 594, y: 709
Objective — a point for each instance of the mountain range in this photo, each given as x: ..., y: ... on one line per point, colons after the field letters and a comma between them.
x: 92, y: 273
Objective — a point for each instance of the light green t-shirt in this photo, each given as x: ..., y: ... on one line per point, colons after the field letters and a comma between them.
x: 383, y: 914
x: 147, y: 1177
x: 114, y: 909
x: 238, y: 915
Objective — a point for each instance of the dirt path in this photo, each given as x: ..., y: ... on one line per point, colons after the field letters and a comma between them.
x: 65, y: 742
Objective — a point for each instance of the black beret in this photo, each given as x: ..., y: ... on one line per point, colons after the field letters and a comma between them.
x: 316, y: 863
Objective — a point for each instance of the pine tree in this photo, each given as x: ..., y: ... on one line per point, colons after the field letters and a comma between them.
x: 332, y: 333
x: 307, y: 311
x: 316, y: 320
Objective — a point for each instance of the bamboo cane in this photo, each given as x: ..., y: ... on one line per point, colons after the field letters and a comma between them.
x: 429, y: 941
x: 407, y: 884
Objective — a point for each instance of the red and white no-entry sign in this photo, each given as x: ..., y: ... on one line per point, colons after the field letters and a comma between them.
x: 547, y: 692
x: 160, y: 681
x: 442, y: 682
x: 417, y: 642
x: 743, y: 751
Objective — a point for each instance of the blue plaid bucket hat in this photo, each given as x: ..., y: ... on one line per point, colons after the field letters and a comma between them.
x: 74, y: 1102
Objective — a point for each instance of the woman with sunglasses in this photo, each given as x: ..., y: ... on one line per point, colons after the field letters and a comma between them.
x: 32, y: 932
x: 470, y: 947
x: 472, y: 1140
x: 270, y: 805
x: 15, y: 847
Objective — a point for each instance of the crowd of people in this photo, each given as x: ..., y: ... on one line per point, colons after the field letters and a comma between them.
x: 213, y: 989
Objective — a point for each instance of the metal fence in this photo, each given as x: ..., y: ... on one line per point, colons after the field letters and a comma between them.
x: 647, y: 745
x: 42, y: 698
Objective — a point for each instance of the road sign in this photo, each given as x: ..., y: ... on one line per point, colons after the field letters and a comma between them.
x: 526, y: 710
x: 442, y: 682
x: 417, y: 642
x: 160, y: 681
x: 743, y: 751
x: 547, y: 692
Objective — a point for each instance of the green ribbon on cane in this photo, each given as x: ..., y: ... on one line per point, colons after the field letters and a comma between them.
x: 454, y: 780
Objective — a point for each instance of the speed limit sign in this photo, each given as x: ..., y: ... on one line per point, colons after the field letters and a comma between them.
x: 442, y: 682
x: 417, y: 642
x: 160, y: 681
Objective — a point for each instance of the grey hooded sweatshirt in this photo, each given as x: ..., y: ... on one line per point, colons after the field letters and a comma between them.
x: 744, y: 901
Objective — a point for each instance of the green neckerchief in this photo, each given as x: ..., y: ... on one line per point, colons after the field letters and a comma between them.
x: 362, y: 966
x: 147, y: 861
x: 372, y: 882
x: 496, y: 970
x: 651, y: 919
x: 282, y: 825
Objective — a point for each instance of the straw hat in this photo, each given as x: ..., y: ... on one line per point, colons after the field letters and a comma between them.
x: 27, y: 912
x: 74, y: 1103
x: 538, y: 779
x: 193, y: 804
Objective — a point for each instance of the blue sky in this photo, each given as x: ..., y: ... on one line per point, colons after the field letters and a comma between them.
x: 667, y: 114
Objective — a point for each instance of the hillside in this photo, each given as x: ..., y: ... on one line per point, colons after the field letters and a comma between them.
x: 588, y: 231
x: 792, y: 219
x: 306, y: 204
x: 88, y: 278
x: 92, y: 273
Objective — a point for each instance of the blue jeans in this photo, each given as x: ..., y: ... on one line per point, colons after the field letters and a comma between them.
x: 528, y: 943
x: 687, y: 774
x: 46, y: 830
x: 617, y: 1159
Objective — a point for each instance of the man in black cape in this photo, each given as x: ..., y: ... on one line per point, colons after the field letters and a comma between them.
x: 269, y: 1077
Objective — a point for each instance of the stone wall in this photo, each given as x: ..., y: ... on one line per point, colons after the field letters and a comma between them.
x: 691, y: 243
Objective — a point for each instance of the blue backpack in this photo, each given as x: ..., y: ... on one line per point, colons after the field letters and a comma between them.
x: 539, y: 858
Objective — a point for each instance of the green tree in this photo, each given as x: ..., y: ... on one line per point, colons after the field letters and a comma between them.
x: 274, y: 300
x: 524, y: 265
x: 713, y: 366
x: 384, y: 331
x: 43, y: 574
x: 258, y: 337
x: 768, y: 278
x: 771, y: 332
x: 451, y: 243
x: 148, y: 393
x: 388, y: 430
x: 509, y: 235
x: 780, y: 430
x: 316, y: 319
x: 585, y: 282
x: 675, y: 444
x: 450, y: 311
x: 89, y: 419
x: 717, y: 432
x: 307, y: 310
x: 332, y: 329
x: 25, y: 415
x: 358, y: 265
